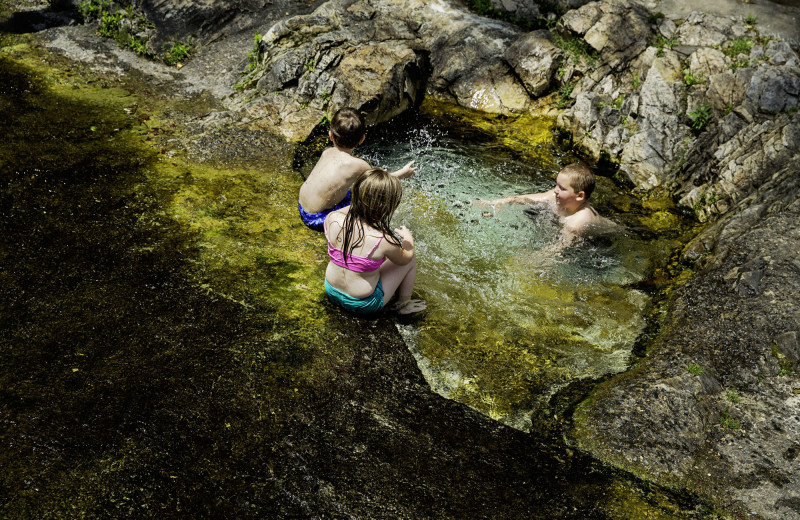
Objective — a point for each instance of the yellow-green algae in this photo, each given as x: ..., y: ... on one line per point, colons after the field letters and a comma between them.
x: 250, y: 250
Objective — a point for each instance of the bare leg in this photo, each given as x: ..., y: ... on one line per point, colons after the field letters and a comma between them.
x: 400, y: 279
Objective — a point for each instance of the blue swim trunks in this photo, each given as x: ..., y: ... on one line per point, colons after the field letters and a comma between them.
x: 315, y: 220
x: 368, y: 305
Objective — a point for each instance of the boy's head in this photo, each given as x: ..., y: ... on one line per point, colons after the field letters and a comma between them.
x: 348, y: 128
x: 580, y: 178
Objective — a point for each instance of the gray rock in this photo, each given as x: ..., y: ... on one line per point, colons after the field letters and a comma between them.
x: 535, y: 60
x: 774, y: 89
x: 726, y: 445
x: 789, y: 345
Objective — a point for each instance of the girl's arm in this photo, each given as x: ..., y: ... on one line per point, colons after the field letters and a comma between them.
x: 403, y: 254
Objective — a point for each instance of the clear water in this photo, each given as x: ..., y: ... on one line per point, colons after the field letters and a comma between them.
x: 512, y: 316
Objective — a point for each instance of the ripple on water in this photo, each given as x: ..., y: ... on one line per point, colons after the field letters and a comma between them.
x: 511, y: 318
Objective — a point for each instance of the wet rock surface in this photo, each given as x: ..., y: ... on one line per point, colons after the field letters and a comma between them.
x: 700, y: 104
x: 714, y: 406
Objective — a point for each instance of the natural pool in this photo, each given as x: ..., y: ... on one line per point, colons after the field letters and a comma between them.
x: 512, y: 316
x: 167, y: 350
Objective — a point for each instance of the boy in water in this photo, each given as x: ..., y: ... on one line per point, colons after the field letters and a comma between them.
x: 569, y: 200
x: 327, y: 187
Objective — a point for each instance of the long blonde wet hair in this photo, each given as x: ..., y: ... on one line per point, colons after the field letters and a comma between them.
x: 376, y: 195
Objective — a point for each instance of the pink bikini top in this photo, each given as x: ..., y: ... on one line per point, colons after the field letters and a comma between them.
x: 359, y: 264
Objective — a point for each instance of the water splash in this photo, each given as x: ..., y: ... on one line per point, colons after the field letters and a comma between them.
x: 511, y: 320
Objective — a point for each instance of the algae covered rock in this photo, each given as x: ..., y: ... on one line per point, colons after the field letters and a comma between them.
x: 714, y: 407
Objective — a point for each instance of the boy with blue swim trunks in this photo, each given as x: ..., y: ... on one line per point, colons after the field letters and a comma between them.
x: 327, y: 187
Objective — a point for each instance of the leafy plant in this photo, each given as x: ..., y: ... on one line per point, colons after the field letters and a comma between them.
x: 695, y: 369
x: 727, y: 421
x: 136, y: 45
x: 177, y: 52
x: 700, y: 117
x: 636, y: 81
x: 252, y: 56
x: 325, y: 120
x: 619, y: 101
x: 741, y: 45
x: 564, y: 94
x: 109, y: 24
x: 732, y: 396
x: 751, y: 19
x: 577, y: 49
x: 90, y: 9
x: 690, y: 79
x: 660, y: 43
x: 310, y: 65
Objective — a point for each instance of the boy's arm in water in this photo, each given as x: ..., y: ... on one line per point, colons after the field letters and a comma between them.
x: 406, y: 171
x: 530, y: 198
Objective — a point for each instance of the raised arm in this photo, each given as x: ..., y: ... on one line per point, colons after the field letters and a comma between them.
x: 406, y: 171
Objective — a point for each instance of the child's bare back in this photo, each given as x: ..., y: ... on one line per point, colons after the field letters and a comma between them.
x: 327, y: 187
x: 333, y: 174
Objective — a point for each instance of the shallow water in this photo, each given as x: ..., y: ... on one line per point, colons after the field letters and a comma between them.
x: 167, y: 350
x: 513, y: 316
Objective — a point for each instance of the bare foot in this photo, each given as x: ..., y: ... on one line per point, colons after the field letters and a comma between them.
x: 409, y: 306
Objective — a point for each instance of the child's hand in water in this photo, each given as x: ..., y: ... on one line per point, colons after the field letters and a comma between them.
x: 404, y: 235
x: 406, y: 171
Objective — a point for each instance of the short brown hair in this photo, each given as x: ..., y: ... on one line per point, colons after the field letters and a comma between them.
x: 580, y: 177
x: 348, y: 127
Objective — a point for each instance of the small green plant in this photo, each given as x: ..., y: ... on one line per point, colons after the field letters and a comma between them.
x: 310, y: 65
x: 252, y: 56
x: 177, y: 52
x: 654, y: 18
x: 732, y: 396
x: 109, y: 24
x: 619, y: 101
x: 700, y: 117
x: 325, y: 120
x: 660, y: 43
x: 636, y: 81
x: 91, y: 9
x: 577, y: 49
x: 727, y: 421
x: 695, y: 369
x: 136, y: 45
x: 564, y: 94
x: 751, y: 19
x: 690, y: 79
x: 741, y: 45
x: 728, y: 108
x: 325, y: 95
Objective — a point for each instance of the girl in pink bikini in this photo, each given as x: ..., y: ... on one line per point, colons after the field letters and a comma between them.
x: 368, y: 262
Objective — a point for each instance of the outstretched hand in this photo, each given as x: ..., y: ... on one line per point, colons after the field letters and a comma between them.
x: 406, y: 171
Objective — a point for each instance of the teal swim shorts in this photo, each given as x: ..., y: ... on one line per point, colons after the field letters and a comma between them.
x: 368, y: 305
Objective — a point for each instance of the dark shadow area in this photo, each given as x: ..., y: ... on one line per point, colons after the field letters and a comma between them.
x: 39, y: 20
x: 131, y: 391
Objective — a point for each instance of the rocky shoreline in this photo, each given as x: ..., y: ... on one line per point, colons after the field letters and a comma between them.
x: 704, y: 107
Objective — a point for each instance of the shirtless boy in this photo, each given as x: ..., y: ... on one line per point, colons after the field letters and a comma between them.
x: 569, y: 200
x: 327, y: 187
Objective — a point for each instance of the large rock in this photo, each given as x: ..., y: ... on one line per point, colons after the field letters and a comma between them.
x: 211, y: 20
x: 714, y: 407
x: 378, y: 56
x: 535, y: 60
